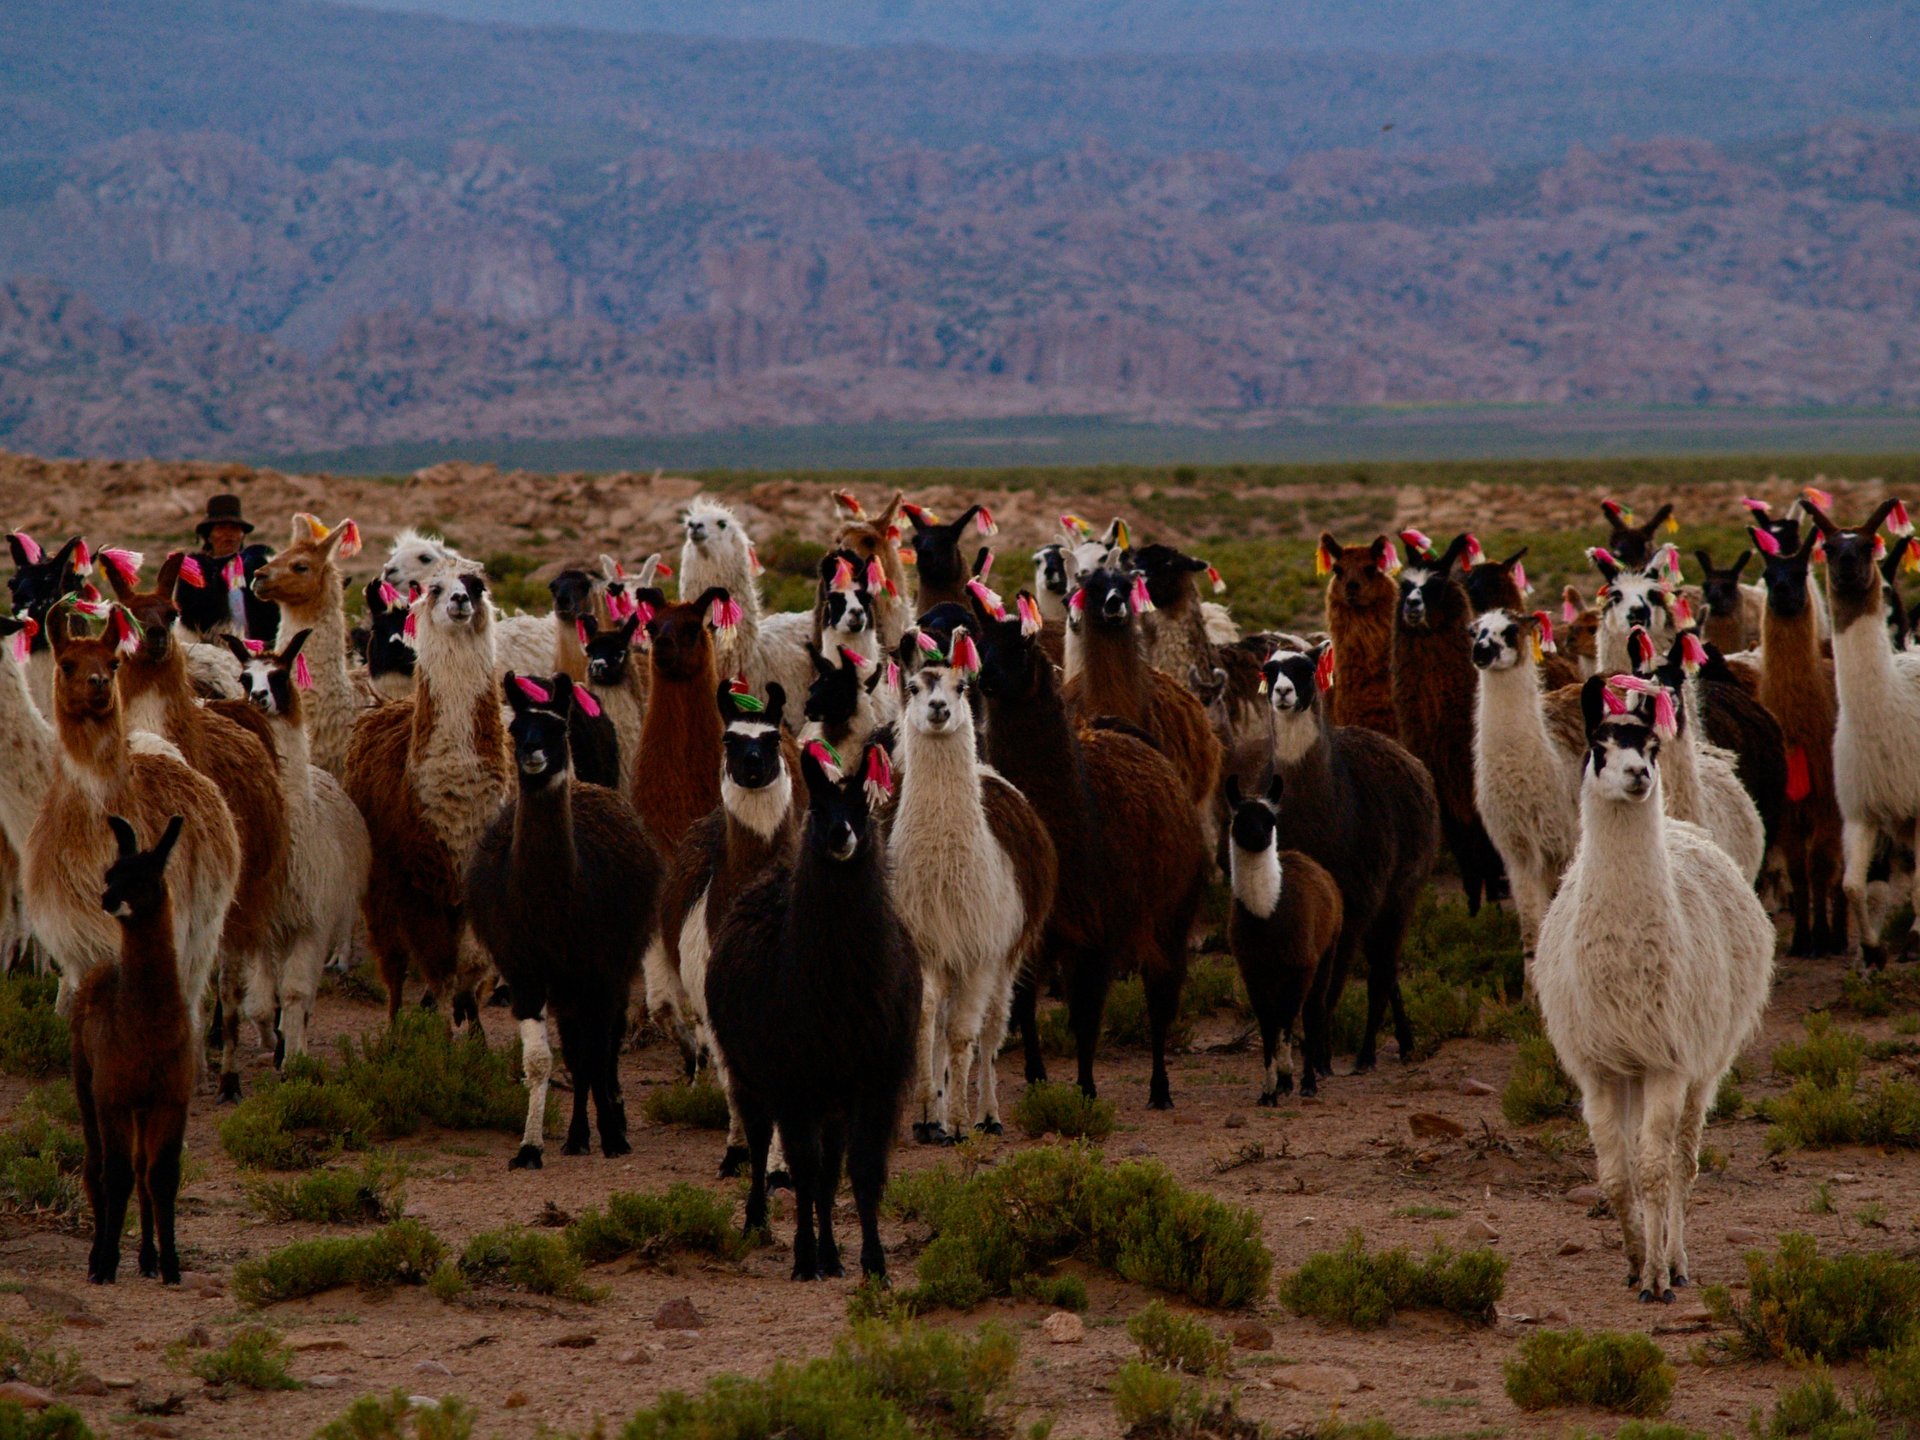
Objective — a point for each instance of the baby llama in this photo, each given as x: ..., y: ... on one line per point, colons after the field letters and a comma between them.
x: 972, y: 876
x: 1647, y: 1003
x: 618, y: 679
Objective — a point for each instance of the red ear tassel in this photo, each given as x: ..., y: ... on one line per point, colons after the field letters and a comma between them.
x: 412, y: 627
x: 826, y: 757
x: 1616, y: 703
x: 127, y: 640
x: 983, y: 522
x: 1078, y: 599
x: 580, y: 629
x: 1898, y: 522
x: 1692, y: 653
x: 879, y: 775
x: 1473, y: 555
x: 349, y: 540
x: 966, y: 656
x: 1819, y: 555
x: 1219, y: 585
x: 302, y: 675
x: 893, y: 676
x: 989, y: 601
x: 1416, y: 540
x: 1682, y: 612
x: 126, y: 564
x: 1545, y: 622
x: 849, y: 505
x: 877, y: 578
x: 738, y: 685
x: 191, y: 575
x: 1323, y: 671
x: 725, y: 614
x: 21, y: 642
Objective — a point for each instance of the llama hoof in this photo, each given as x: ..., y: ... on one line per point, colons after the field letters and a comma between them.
x: 830, y: 1267
x: 100, y: 1277
x: 1873, y: 957
x: 614, y: 1146
x: 1160, y: 1102
x: 1363, y: 1064
x: 780, y: 1180
x: 149, y: 1264
x: 229, y: 1087
x: 502, y: 995
x: 1910, y: 947
x: 1270, y: 1100
x: 990, y: 1127
x: 170, y: 1274
x: 733, y: 1162
x: 428, y: 1000
x: 1037, y: 1075
x: 576, y: 1147
x: 527, y: 1159
x: 944, y: 1136
x: 1680, y: 1282
x: 804, y: 1272
x: 1283, y: 1083
x: 922, y: 1133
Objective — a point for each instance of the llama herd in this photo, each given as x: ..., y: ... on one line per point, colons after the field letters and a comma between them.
x: 837, y: 854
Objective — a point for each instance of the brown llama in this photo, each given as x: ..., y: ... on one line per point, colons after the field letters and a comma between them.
x: 1502, y: 585
x: 134, y: 1063
x: 1361, y: 597
x: 677, y: 775
x: 304, y: 581
x: 875, y: 540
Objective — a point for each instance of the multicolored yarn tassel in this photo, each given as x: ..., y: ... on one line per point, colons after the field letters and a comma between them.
x: 1543, y: 626
x: 1076, y: 528
x: 725, y: 615
x: 21, y: 641
x: 1323, y: 671
x: 1077, y: 601
x: 388, y: 595
x: 349, y: 540
x: 1142, y: 601
x: 1682, y: 611
x: 1692, y: 653
x: 878, y: 770
x: 965, y: 655
x: 316, y: 527
x: 1029, y: 613
x: 125, y: 635
x: 989, y: 601
x: 1600, y: 555
x: 82, y: 559
x: 826, y: 757
x: 1417, y: 541
x: 849, y: 504
x: 1474, y: 555
x: 926, y: 642
x: 1758, y: 507
x: 1819, y: 497
x: 984, y: 523
x: 191, y: 575
x: 1616, y: 703
x: 877, y: 578
x: 29, y: 546
x: 124, y: 563
x: 412, y: 628
x: 842, y: 582
x: 1618, y: 513
x: 1898, y: 522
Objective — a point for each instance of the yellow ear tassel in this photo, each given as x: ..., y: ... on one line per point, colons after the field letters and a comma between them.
x: 1533, y: 644
x: 316, y: 527
x: 1321, y: 566
x: 1673, y: 525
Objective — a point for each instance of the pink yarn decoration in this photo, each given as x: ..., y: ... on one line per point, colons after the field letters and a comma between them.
x: 191, y: 575
x: 29, y: 546
x: 302, y: 676
x: 989, y: 601
x: 126, y: 564
x: 983, y: 522
x: 82, y: 558
x: 349, y: 540
x: 533, y: 690
x: 388, y: 595
x: 589, y: 706
x: 1569, y: 612
x: 1897, y: 520
x: 966, y: 656
x: 1142, y: 602
x: 1029, y: 612
x: 1416, y: 540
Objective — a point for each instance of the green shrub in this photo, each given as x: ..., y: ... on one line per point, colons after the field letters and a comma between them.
x: 1627, y: 1374
x: 46, y: 1369
x: 1178, y: 1342
x: 41, y: 1156
x: 892, y: 1382
x: 1825, y: 1056
x: 295, y: 1123
x: 56, y: 1422
x: 1801, y: 1306
x: 1350, y: 1286
x: 1056, y: 1108
x: 701, y: 1106
x: 1896, y: 1375
x: 254, y: 1359
x: 403, y: 1253
x: 1728, y: 1102
x: 535, y: 1261
x: 1040, y: 1207
x: 684, y: 1218
x: 34, y: 1041
x: 398, y: 1418
x: 367, y: 1194
x: 1537, y: 1089
x: 1062, y: 1292
x: 1158, y: 1403
x: 1815, y: 1411
x: 1213, y: 984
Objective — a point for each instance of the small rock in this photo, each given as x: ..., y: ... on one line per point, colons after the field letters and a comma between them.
x: 1471, y: 1086
x: 1844, y: 1177
x: 1317, y: 1379
x: 197, y: 1337
x: 515, y: 1399
x: 1063, y: 1327
x: 327, y: 1382
x: 119, y: 1382
x: 1478, y: 1229
x: 50, y: 1300
x: 415, y: 1211
x: 318, y: 1342
x: 1584, y: 1194
x: 27, y: 1397
x: 1556, y: 1315
x: 1139, y: 1148
x: 1572, y: 1247
x: 578, y: 1341
x: 678, y: 1315
x: 1429, y: 1126
x: 432, y: 1367
x: 153, y: 1428
x: 634, y: 1355
x: 1462, y: 1382
x: 1252, y: 1335
x: 1235, y: 1121
x: 1741, y: 1235
x: 424, y: 1402
x: 86, y: 1383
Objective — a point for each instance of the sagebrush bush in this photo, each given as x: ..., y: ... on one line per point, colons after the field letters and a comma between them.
x: 1062, y: 1292
x: 539, y: 1262
x: 1627, y: 1374
x: 369, y: 1193
x: 34, y: 1041
x: 1728, y: 1102
x: 1156, y: 1404
x: 1815, y: 1117
x: 41, y: 1156
x: 402, y: 1253
x: 56, y: 1422
x: 1813, y: 1410
x: 295, y: 1122
x: 397, y: 1418
x: 1054, y: 1107
x: 1803, y: 1306
x: 45, y: 1369
x: 1178, y: 1342
x: 702, y: 1105
x: 685, y: 1217
x: 1021, y: 1218
x: 254, y: 1359
x: 1825, y: 1056
x: 1352, y: 1286
x: 1537, y: 1088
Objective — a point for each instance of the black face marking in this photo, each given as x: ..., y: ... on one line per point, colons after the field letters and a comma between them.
x: 539, y: 740
x: 1108, y: 598
x: 1298, y: 670
x: 1050, y: 561
x: 752, y: 756
x: 572, y: 592
x: 1254, y: 824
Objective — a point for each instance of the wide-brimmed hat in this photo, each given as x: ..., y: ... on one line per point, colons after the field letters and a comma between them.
x: 223, y: 510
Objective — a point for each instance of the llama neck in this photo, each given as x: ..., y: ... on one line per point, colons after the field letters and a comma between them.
x: 624, y: 704
x: 1112, y: 678
x: 1300, y: 742
x: 683, y: 727
x: 1256, y: 879
x: 1793, y: 682
x: 1679, y: 775
x: 95, y: 758
x: 296, y: 757
x: 833, y: 899
x: 1726, y: 632
x: 1863, y: 668
x: 456, y: 755
x: 149, y: 972
x: 158, y: 696
x: 26, y: 756
x: 756, y: 815
x: 544, y: 857
x: 1623, y: 852
x: 939, y: 788
x: 1509, y: 722
x: 332, y: 704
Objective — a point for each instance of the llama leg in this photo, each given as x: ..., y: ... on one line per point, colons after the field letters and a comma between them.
x: 147, y: 1259
x: 1603, y: 1105
x: 92, y: 1167
x: 582, y: 1072
x: 993, y: 1034
x: 1086, y: 1004
x: 1269, y: 1018
x: 1797, y: 892
x: 1025, y: 994
x: 233, y: 987
x: 1910, y: 942
x: 296, y: 1009
x: 737, y: 1148
x: 868, y: 1140
x: 607, y: 1103
x: 759, y: 1133
x: 1382, y: 949
x: 163, y: 1177
x: 1664, y: 1098
x: 1686, y: 1169
x: 833, y: 1140
x: 1858, y: 841
x: 803, y: 1158
x: 966, y: 1019
x: 1327, y: 986
x: 116, y: 1183
x: 1163, y: 1008
x: 536, y: 1058
x: 1466, y: 858
x: 931, y: 1125
x: 1290, y: 997
x: 1820, y: 865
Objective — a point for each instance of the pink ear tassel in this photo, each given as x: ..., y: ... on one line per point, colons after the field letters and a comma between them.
x: 754, y: 567
x: 349, y: 540
x: 879, y: 775
x: 92, y: 606
x: 412, y: 627
x: 126, y: 564
x: 854, y: 658
x: 388, y: 595
x: 927, y: 642
x: 29, y: 546
x: 1474, y: 554
x: 533, y: 690
x: 1819, y: 497
x: 893, y: 676
x: 21, y: 643
x: 1545, y: 622
x: 1029, y: 612
x: 966, y: 655
x: 1764, y: 539
x: 589, y: 706
x: 580, y: 629
x: 823, y: 756
x: 255, y: 647
x: 82, y: 558
x: 989, y: 601
x: 1077, y: 600
x: 877, y: 578
x: 1600, y: 555
x: 1615, y: 702
x: 645, y: 612
x: 1897, y: 521
x: 725, y: 614
x: 986, y: 566
x: 1758, y: 507
x: 1415, y: 540
x: 1142, y: 602
x: 1569, y: 612
x: 1879, y: 547
x: 1692, y: 653
x: 302, y: 676
x: 983, y: 522
x: 842, y: 582
x: 1664, y: 719
x: 1219, y: 585
x: 1520, y: 578
x: 191, y: 575
x: 127, y: 640
x: 1682, y: 612
x: 1672, y: 554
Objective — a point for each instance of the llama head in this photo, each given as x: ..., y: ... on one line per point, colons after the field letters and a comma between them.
x: 1498, y: 584
x: 1255, y: 819
x: 541, y: 708
x: 85, y: 669
x: 681, y: 635
x: 1359, y: 577
x: 839, y: 817
x: 1633, y: 595
x: 1720, y: 587
x: 272, y: 682
x: 389, y: 649
x: 1050, y: 576
x: 717, y: 544
x: 1784, y: 573
x: 573, y: 592
x: 152, y: 611
x: 40, y: 579
x: 873, y: 539
x: 1501, y: 637
x: 845, y: 596
x: 936, y: 546
x: 413, y: 556
x: 304, y: 575
x: 751, y: 755
x: 452, y: 600
x: 839, y: 691
x: 1623, y: 747
x: 1853, y: 577
x: 1631, y: 542
x: 935, y: 699
x: 1431, y: 595
x: 610, y: 650
x: 137, y: 879
x: 1012, y: 664
x: 1899, y: 626
x: 1169, y: 573
x: 1109, y: 598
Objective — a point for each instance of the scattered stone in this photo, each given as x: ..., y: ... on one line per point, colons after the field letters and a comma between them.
x: 27, y: 1397
x: 153, y: 1428
x: 197, y: 1337
x: 86, y: 1383
x: 1235, y: 1121
x: 1464, y: 1382
x: 1572, y: 1247
x: 678, y: 1315
x: 1478, y: 1229
x: 515, y: 1399
x: 432, y: 1367
x: 634, y: 1355
x: 327, y: 1382
x: 1471, y: 1086
x: 415, y: 1211
x: 1585, y: 1195
x: 1429, y: 1126
x: 318, y: 1342
x: 1844, y: 1177
x: 1139, y: 1148
x: 1556, y: 1315
x: 1741, y: 1235
x: 119, y: 1382
x: 424, y: 1402
x: 1063, y: 1327
x: 62, y: 1305
x: 1317, y: 1379
x: 579, y: 1340
x: 1252, y: 1335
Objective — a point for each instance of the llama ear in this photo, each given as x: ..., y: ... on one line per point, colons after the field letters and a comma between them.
x: 1604, y: 562
x: 1879, y: 516
x: 1451, y: 557
x: 291, y: 652
x: 124, y: 837
x: 1706, y: 561
x: 917, y: 518
x: 776, y: 702
x: 122, y: 587
x: 168, y: 837
x: 562, y: 691
x: 1276, y: 787
x: 1593, y: 703
x: 1741, y: 563
x: 1234, y: 797
x: 239, y: 649
x: 820, y: 665
x: 1515, y: 558
x: 1822, y: 521
x: 1662, y: 516
x: 873, y: 680
x: 516, y: 698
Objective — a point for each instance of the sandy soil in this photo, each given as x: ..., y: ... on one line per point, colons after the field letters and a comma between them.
x: 1346, y: 1160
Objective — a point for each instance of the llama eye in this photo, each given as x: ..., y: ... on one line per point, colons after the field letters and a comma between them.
x: 301, y: 569
x: 722, y: 524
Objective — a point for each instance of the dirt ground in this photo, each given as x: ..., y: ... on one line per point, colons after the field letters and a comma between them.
x: 1345, y: 1160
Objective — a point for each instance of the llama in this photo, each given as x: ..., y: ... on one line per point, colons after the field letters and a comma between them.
x: 1877, y: 732
x: 229, y: 743
x: 1114, y: 679
x: 1647, y: 1003
x: 719, y: 554
x: 1527, y: 788
x: 1181, y: 629
x: 1900, y: 623
x: 843, y: 702
x: 1734, y: 719
x: 813, y: 993
x: 38, y: 581
x: 1796, y: 684
x: 618, y: 683
x: 328, y: 851
x: 844, y: 614
x: 1131, y: 860
x: 1433, y: 686
x: 388, y: 654
x: 973, y: 875
x: 134, y: 1063
x: 100, y: 773
x: 304, y: 581
x: 520, y: 642
x: 1579, y: 631
x: 941, y: 569
x: 429, y: 775
x: 1633, y: 597
x: 1365, y: 809
x: 561, y: 893
x: 1284, y: 923
x: 1502, y: 585
x: 1632, y: 543
x: 1734, y: 610
x: 677, y: 773
x: 875, y: 540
